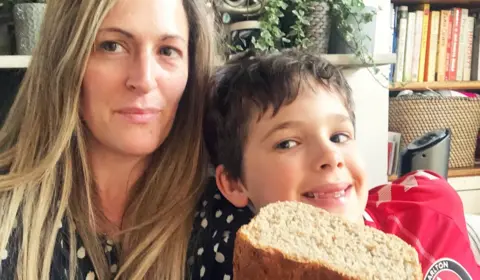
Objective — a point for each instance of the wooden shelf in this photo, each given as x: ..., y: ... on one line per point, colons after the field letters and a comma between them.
x: 453, y: 85
x: 455, y: 172
x: 343, y: 60
x: 464, y: 172
x: 14, y: 61
x: 350, y: 60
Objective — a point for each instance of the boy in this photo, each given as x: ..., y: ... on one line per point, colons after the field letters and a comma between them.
x: 282, y: 127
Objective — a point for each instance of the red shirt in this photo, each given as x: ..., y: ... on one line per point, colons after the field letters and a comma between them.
x: 426, y: 212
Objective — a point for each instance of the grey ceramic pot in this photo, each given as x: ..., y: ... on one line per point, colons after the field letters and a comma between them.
x: 27, y: 19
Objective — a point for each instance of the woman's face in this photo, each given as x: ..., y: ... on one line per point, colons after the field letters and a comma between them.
x: 136, y: 75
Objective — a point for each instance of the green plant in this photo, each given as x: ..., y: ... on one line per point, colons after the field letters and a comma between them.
x: 344, y: 10
x: 298, y: 32
x: 271, y: 35
x: 342, y: 13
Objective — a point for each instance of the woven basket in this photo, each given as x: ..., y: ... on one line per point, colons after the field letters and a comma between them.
x: 320, y: 27
x: 414, y: 116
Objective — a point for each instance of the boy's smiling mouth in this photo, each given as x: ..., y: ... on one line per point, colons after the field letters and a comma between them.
x: 317, y: 195
x: 329, y: 195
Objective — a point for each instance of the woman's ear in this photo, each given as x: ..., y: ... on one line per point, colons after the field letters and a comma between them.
x: 232, y: 189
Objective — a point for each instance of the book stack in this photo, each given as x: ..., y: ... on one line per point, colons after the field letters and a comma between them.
x: 435, y: 45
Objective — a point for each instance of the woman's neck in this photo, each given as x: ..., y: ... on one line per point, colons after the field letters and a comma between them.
x: 114, y: 175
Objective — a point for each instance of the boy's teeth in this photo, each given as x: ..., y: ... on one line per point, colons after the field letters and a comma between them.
x: 327, y: 195
x: 339, y: 194
x: 310, y: 195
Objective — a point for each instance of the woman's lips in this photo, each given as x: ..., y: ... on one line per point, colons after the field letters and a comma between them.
x: 139, y: 115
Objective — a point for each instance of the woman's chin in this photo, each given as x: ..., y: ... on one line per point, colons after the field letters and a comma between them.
x: 137, y: 148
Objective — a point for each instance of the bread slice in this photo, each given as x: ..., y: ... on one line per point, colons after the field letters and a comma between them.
x: 293, y: 240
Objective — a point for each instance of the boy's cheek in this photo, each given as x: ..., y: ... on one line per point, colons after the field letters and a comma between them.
x: 356, y: 166
x: 278, y: 188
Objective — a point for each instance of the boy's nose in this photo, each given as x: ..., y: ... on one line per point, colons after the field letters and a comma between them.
x: 328, y: 158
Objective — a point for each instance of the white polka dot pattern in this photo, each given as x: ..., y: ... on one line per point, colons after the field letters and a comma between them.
x: 214, y: 232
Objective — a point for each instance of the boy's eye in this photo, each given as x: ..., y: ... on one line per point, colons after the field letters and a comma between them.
x: 340, y: 138
x: 288, y: 144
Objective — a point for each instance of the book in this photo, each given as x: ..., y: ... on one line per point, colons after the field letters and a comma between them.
x: 394, y: 143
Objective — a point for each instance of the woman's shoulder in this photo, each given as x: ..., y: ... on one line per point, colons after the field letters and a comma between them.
x: 9, y: 255
x: 213, y: 237
x: 59, y: 269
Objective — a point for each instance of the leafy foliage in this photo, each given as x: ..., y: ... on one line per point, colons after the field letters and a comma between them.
x: 342, y: 13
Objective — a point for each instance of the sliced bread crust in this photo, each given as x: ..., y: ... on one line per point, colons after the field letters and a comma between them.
x: 284, y: 241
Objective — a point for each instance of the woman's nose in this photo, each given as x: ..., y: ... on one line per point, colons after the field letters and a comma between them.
x: 143, y: 73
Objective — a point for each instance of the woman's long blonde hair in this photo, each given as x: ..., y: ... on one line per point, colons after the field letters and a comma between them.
x: 42, y: 148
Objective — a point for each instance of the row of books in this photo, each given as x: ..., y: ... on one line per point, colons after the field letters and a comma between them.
x: 435, y: 45
x: 394, y: 139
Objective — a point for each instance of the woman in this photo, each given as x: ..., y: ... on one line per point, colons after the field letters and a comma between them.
x: 102, y: 151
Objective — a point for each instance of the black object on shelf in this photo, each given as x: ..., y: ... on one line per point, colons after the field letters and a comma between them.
x: 430, y: 151
x: 9, y: 84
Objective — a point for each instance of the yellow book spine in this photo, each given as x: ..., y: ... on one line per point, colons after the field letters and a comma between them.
x: 423, y: 48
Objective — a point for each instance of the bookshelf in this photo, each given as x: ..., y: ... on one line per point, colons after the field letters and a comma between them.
x: 473, y: 7
x: 452, y: 85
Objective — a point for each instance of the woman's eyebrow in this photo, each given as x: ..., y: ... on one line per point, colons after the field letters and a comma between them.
x: 165, y: 36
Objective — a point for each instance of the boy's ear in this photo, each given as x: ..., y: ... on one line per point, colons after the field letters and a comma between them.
x: 232, y: 189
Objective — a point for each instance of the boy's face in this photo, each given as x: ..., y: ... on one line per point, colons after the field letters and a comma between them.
x: 307, y: 152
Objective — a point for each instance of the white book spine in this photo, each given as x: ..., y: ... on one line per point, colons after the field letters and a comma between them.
x: 417, y: 45
x: 402, y: 38
x: 462, y: 45
x: 467, y: 68
x: 433, y: 45
x: 407, y: 72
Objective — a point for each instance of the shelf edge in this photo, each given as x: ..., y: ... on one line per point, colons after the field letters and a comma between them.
x: 14, y: 61
x: 344, y: 60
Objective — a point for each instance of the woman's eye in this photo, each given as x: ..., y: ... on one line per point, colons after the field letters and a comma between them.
x: 168, y: 51
x: 111, y: 46
x: 340, y: 138
x: 288, y: 144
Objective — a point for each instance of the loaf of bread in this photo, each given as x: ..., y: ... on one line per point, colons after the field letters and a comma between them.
x: 293, y: 240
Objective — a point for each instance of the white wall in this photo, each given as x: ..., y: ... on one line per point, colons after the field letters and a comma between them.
x: 371, y: 109
x: 371, y: 100
x: 469, y: 190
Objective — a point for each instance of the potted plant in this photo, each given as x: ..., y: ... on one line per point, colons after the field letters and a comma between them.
x: 27, y: 19
x: 307, y: 24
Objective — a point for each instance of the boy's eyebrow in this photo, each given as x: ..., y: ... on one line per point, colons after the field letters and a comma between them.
x: 339, y: 118
x: 280, y: 126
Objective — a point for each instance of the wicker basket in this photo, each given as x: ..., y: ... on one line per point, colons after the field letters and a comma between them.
x: 414, y: 116
x: 320, y: 27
